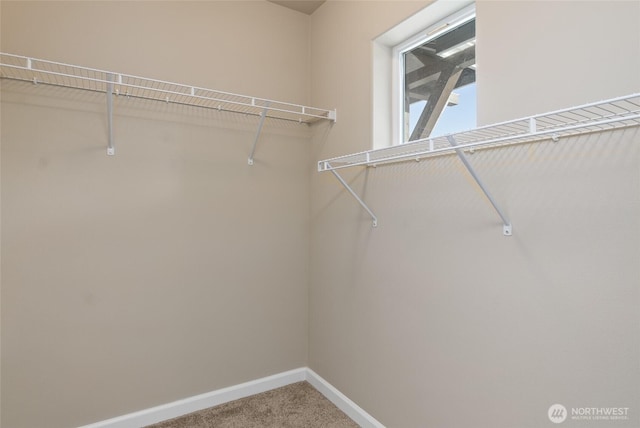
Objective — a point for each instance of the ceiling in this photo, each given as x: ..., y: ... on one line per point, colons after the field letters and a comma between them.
x: 304, y: 6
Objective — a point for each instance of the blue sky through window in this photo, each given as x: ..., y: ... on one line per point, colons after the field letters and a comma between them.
x: 453, y: 119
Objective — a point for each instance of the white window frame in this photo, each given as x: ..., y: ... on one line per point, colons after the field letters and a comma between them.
x: 431, y: 32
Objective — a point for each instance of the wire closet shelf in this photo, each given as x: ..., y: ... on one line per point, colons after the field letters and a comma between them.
x: 616, y: 113
x: 41, y: 71
x: 599, y: 116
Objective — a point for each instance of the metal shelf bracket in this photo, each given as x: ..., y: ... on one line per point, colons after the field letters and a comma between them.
x: 506, y: 228
x: 263, y: 116
x: 374, y: 219
x: 110, y: 148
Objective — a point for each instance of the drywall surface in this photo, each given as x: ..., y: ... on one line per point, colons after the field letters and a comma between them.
x: 543, y: 56
x: 243, y: 47
x: 434, y: 318
x: 173, y: 268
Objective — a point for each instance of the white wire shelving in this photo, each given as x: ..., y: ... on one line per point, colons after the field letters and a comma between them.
x: 615, y: 113
x: 39, y: 71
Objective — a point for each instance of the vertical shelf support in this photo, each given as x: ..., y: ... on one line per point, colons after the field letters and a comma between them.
x: 110, y: 148
x: 357, y: 198
x: 506, y: 228
x: 263, y: 116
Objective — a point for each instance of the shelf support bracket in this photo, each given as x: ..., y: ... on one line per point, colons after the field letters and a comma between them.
x: 110, y: 149
x: 506, y: 228
x: 263, y: 116
x: 357, y: 198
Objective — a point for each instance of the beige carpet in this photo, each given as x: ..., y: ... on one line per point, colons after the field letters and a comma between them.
x: 298, y: 405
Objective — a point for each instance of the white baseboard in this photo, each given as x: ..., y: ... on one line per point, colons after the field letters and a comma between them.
x: 202, y: 401
x: 221, y: 396
x: 355, y: 412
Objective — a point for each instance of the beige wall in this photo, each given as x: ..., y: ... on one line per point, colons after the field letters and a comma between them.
x: 246, y: 47
x: 542, y: 56
x: 173, y: 268
x: 434, y: 318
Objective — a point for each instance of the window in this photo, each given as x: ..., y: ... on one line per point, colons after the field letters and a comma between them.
x: 435, y: 77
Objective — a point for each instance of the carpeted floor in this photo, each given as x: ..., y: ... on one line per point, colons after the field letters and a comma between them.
x: 298, y: 405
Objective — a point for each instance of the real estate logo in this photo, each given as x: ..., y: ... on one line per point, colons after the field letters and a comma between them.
x: 557, y: 413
